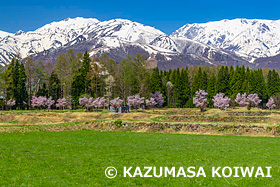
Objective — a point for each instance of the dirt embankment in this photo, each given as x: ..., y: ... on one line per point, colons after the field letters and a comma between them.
x: 189, y: 128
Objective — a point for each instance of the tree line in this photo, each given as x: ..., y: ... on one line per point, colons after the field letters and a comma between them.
x: 76, y: 76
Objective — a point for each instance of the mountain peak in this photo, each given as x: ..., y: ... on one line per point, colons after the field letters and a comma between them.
x: 247, y: 37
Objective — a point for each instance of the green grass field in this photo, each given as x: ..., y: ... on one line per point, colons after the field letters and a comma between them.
x: 79, y: 158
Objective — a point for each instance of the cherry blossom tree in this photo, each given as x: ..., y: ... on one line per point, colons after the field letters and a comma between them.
x: 83, y: 101
x: 270, y: 104
x: 254, y: 99
x: 61, y: 103
x: 241, y: 99
x: 89, y: 104
x: 42, y: 102
x: 11, y: 103
x: 249, y: 101
x: 158, y: 98
x: 38, y: 102
x: 135, y: 101
x: 200, y: 99
x: 49, y: 102
x: 151, y: 102
x: 116, y: 103
x: 100, y: 102
x: 221, y: 101
x: 86, y: 102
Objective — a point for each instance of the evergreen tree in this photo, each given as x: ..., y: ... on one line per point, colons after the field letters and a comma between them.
x: 204, y: 81
x: 85, y: 72
x: 156, y: 82
x: 16, y: 77
x: 273, y: 83
x: 221, y: 83
x: 261, y: 86
x: 211, y: 89
x: 246, y: 83
x: 186, y: 86
x: 8, y: 74
x: 198, y: 81
x: 252, y: 82
x: 237, y: 81
x: 54, y: 86
x: 42, y: 91
x: 182, y: 88
x: 21, y: 88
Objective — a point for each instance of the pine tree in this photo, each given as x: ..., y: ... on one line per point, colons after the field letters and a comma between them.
x: 246, y: 83
x: 21, y: 87
x: 261, y: 86
x: 211, y: 89
x: 221, y: 82
x: 16, y: 77
x: 273, y: 83
x: 186, y: 86
x: 156, y: 82
x: 54, y: 86
x: 237, y: 81
x: 8, y: 74
x: 204, y: 81
x: 197, y: 81
x: 85, y: 71
x: 43, y: 91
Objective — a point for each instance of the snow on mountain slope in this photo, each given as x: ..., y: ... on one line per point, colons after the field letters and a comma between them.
x: 253, y: 38
x: 126, y: 30
x: 53, y: 35
x: 72, y: 31
x: 248, y: 38
x: 4, y: 34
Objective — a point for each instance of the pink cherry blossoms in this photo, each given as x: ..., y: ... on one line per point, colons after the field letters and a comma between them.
x: 221, y: 101
x: 270, y: 104
x: 11, y: 102
x: 241, y: 99
x: 250, y: 100
x: 99, y: 102
x: 200, y: 100
x: 158, y: 98
x: 42, y: 101
x: 116, y: 103
x: 151, y: 102
x: 61, y: 103
x: 135, y: 101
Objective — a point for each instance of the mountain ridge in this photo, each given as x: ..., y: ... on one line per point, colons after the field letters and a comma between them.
x: 119, y: 36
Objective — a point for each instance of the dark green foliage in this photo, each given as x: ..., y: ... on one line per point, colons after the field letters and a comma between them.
x: 156, y: 82
x: 21, y: 88
x: 237, y: 81
x: 42, y: 91
x: 211, y: 89
x: 182, y: 87
x: 222, y: 84
x: 200, y: 81
x: 273, y: 83
x: 54, y: 86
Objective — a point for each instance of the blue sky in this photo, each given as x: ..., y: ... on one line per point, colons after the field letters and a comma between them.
x: 165, y: 15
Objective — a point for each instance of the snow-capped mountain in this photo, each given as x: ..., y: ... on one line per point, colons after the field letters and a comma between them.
x: 58, y: 34
x: 53, y: 35
x: 246, y: 37
x: 232, y: 42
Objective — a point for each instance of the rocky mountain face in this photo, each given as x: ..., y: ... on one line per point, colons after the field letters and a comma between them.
x: 120, y: 38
